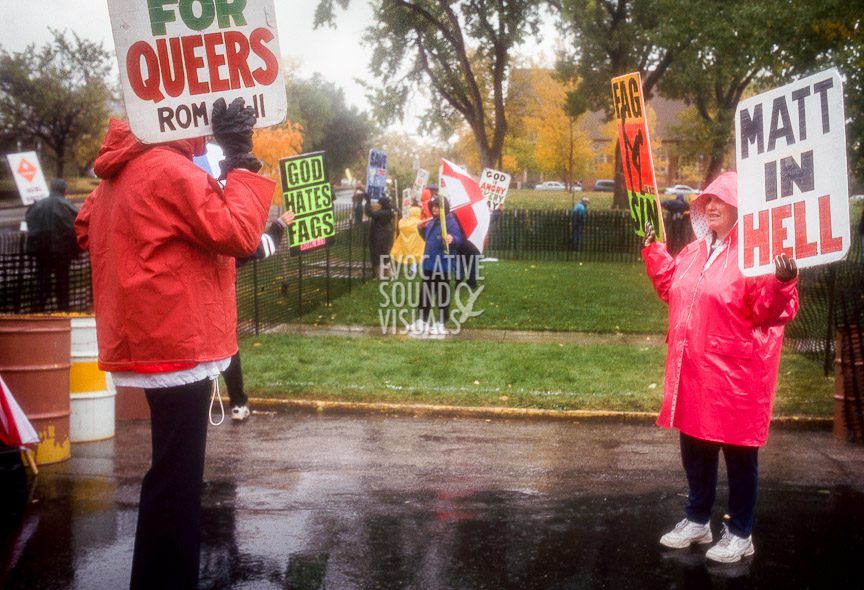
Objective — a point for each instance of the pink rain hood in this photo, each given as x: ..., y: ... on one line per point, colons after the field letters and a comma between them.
x: 725, y: 333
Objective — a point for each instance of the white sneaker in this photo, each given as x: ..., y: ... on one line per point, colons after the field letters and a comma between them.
x: 437, y: 331
x: 731, y: 547
x: 418, y: 329
x: 686, y: 533
x: 240, y: 413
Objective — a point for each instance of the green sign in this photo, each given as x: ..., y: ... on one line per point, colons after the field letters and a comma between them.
x: 307, y: 192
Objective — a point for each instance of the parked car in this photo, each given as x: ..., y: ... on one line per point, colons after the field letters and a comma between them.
x: 856, y: 198
x: 551, y: 185
x: 681, y: 189
x: 604, y: 185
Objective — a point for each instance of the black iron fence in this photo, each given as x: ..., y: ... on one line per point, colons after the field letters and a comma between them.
x: 286, y: 287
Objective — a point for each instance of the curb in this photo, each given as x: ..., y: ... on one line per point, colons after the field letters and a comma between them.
x: 429, y: 410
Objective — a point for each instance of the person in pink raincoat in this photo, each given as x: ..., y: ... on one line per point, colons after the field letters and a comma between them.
x: 724, y: 340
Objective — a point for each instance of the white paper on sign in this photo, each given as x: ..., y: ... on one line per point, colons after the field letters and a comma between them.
x: 790, y: 146
x: 175, y: 61
x: 494, y: 185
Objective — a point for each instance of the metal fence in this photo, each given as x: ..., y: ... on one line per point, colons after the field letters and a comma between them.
x: 287, y: 287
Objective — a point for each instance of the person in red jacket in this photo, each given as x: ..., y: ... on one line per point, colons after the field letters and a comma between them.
x: 724, y: 340
x: 162, y: 236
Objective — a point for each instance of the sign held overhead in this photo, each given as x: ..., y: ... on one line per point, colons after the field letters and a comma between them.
x: 28, y: 176
x: 176, y: 57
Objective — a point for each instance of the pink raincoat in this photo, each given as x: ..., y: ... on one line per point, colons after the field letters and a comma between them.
x: 725, y: 333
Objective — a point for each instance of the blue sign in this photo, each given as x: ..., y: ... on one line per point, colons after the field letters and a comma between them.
x: 376, y: 174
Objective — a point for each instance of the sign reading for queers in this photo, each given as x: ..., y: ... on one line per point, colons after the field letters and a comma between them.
x: 307, y: 192
x: 177, y: 57
x: 494, y: 186
x: 792, y: 187
x: 28, y: 176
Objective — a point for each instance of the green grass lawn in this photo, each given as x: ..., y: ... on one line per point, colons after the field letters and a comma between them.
x: 559, y: 296
x: 533, y: 199
x: 472, y: 373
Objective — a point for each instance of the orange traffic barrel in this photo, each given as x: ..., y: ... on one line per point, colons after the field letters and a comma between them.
x: 35, y: 362
x: 91, y: 391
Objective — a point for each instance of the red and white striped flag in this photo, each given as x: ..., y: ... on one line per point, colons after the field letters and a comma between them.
x: 15, y: 428
x: 466, y: 202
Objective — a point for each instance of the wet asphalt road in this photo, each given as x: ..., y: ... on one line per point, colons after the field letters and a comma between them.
x: 303, y: 501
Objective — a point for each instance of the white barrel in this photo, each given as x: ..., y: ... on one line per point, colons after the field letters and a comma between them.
x: 91, y: 392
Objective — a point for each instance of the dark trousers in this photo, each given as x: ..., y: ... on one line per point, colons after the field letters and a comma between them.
x: 700, y: 459
x: 233, y: 376
x: 168, y: 536
x: 435, y: 290
x: 50, y: 265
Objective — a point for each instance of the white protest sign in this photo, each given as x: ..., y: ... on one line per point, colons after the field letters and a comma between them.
x: 420, y: 182
x: 28, y: 176
x: 792, y: 187
x: 494, y: 186
x: 176, y: 57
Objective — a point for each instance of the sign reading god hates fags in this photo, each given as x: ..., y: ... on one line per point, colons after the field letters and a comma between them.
x: 306, y: 191
x: 635, y: 148
x: 176, y: 57
x: 793, y: 194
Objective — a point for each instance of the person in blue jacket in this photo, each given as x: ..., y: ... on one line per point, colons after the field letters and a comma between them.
x: 438, y: 266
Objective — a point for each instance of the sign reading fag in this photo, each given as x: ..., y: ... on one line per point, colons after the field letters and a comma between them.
x: 306, y: 191
x: 28, y: 176
x: 176, y: 57
x: 792, y: 188
x: 635, y: 147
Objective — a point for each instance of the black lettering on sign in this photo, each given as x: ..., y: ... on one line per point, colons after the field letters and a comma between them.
x: 799, y: 96
x: 635, y: 97
x: 822, y: 89
x: 801, y: 176
x: 781, y: 126
x: 750, y: 127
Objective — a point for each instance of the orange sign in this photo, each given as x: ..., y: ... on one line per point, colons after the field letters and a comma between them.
x: 635, y: 147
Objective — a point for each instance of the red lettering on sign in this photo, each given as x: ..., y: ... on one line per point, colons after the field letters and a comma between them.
x: 145, y: 89
x: 236, y: 52
x: 193, y: 62
x: 779, y: 231
x: 756, y: 238
x: 803, y: 248
x: 214, y: 61
x: 173, y: 79
x: 828, y: 241
x: 257, y: 39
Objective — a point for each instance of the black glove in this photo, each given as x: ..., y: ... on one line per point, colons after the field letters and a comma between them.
x: 232, y: 126
x: 247, y: 161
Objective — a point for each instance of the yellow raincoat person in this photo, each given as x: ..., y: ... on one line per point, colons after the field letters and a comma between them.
x: 408, y: 245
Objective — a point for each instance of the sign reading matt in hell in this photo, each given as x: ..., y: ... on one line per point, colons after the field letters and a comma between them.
x: 307, y: 192
x: 635, y: 147
x: 176, y: 57
x: 792, y: 186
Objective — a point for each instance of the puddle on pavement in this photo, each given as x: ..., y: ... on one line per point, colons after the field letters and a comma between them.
x: 78, y: 536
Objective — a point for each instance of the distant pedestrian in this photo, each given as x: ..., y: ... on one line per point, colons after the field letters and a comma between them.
x: 381, y: 233
x: 357, y: 201
x: 52, y: 243
x: 579, y: 215
x: 724, y: 340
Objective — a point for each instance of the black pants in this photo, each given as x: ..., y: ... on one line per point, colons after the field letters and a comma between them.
x: 435, y: 290
x: 234, y: 382
x: 50, y: 265
x: 700, y: 459
x: 168, y: 536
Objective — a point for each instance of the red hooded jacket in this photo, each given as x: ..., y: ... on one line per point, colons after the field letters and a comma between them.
x: 725, y: 333
x: 163, y: 236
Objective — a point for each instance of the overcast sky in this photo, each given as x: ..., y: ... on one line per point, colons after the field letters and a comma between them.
x: 337, y: 54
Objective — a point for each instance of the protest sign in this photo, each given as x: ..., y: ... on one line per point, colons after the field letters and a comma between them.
x: 177, y: 57
x: 420, y: 182
x: 306, y: 191
x: 635, y: 147
x: 28, y: 176
x: 494, y: 186
x: 376, y: 175
x: 790, y: 146
x: 407, y: 198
